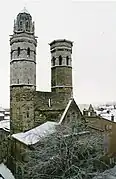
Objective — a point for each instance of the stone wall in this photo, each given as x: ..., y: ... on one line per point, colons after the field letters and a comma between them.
x: 4, y: 147
x: 49, y: 106
x: 61, y: 76
x: 22, y: 108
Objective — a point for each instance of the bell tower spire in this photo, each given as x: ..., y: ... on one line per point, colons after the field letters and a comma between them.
x: 22, y: 72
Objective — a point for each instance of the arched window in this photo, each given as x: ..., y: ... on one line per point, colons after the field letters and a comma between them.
x: 27, y: 25
x: 53, y: 59
x: 21, y: 25
x: 27, y: 114
x: 28, y: 51
x: 19, y: 51
x: 67, y: 60
x: 60, y: 60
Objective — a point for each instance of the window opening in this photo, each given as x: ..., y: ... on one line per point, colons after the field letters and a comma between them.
x: 19, y: 51
x: 28, y: 51
x: 60, y: 60
x: 53, y: 61
x: 67, y: 60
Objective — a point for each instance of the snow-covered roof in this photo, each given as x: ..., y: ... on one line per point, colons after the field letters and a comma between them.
x: 7, y: 112
x: 7, y: 117
x: 1, y: 114
x: 107, y: 174
x: 5, y: 172
x: 5, y: 124
x: 106, y: 112
x: 34, y: 135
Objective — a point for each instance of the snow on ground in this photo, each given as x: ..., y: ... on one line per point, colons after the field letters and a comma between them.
x: 5, y: 172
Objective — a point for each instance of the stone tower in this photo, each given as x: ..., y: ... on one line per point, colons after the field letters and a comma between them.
x: 22, y: 73
x: 61, y: 66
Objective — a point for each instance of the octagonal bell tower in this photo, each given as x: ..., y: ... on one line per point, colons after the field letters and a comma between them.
x: 22, y: 72
x: 61, y: 65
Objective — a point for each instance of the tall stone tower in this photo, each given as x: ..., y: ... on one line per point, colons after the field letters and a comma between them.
x: 22, y: 73
x: 61, y: 66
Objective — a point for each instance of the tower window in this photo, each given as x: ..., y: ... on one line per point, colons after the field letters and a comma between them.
x: 27, y: 25
x: 27, y: 114
x: 19, y: 51
x: 53, y: 61
x: 28, y: 51
x: 17, y: 81
x: 28, y: 81
x: 21, y: 25
x: 60, y: 60
x: 11, y: 54
x: 67, y: 60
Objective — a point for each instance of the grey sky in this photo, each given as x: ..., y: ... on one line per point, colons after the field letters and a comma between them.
x: 92, y: 27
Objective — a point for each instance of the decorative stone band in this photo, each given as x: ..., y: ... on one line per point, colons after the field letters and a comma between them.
x: 63, y: 86
x: 22, y: 84
x: 24, y: 49
x: 22, y: 59
x: 61, y: 48
x: 61, y: 66
x: 29, y: 33
x: 23, y: 39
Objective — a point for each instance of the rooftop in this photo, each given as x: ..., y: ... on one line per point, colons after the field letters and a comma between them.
x: 5, y: 124
x: 34, y: 135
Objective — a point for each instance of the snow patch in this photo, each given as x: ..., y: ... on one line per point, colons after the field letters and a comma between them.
x: 5, y: 172
x: 34, y: 135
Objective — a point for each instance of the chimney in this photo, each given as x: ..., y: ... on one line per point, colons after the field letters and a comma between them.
x: 112, y: 117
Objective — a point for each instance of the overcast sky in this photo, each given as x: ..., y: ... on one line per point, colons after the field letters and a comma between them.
x: 92, y: 27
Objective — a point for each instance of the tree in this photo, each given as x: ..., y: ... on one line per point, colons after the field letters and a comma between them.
x: 63, y: 156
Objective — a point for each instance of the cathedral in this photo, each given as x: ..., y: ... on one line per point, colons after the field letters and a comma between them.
x: 35, y: 114
x: 30, y: 108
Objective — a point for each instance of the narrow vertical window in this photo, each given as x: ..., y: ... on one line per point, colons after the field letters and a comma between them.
x: 53, y: 61
x: 28, y: 81
x: 21, y: 25
x: 19, y: 51
x: 27, y: 114
x: 17, y: 81
x: 49, y: 102
x: 28, y: 51
x: 27, y: 25
x: 11, y: 54
x: 60, y: 60
x: 67, y: 60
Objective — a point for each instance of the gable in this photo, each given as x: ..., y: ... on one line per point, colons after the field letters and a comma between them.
x: 71, y: 113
